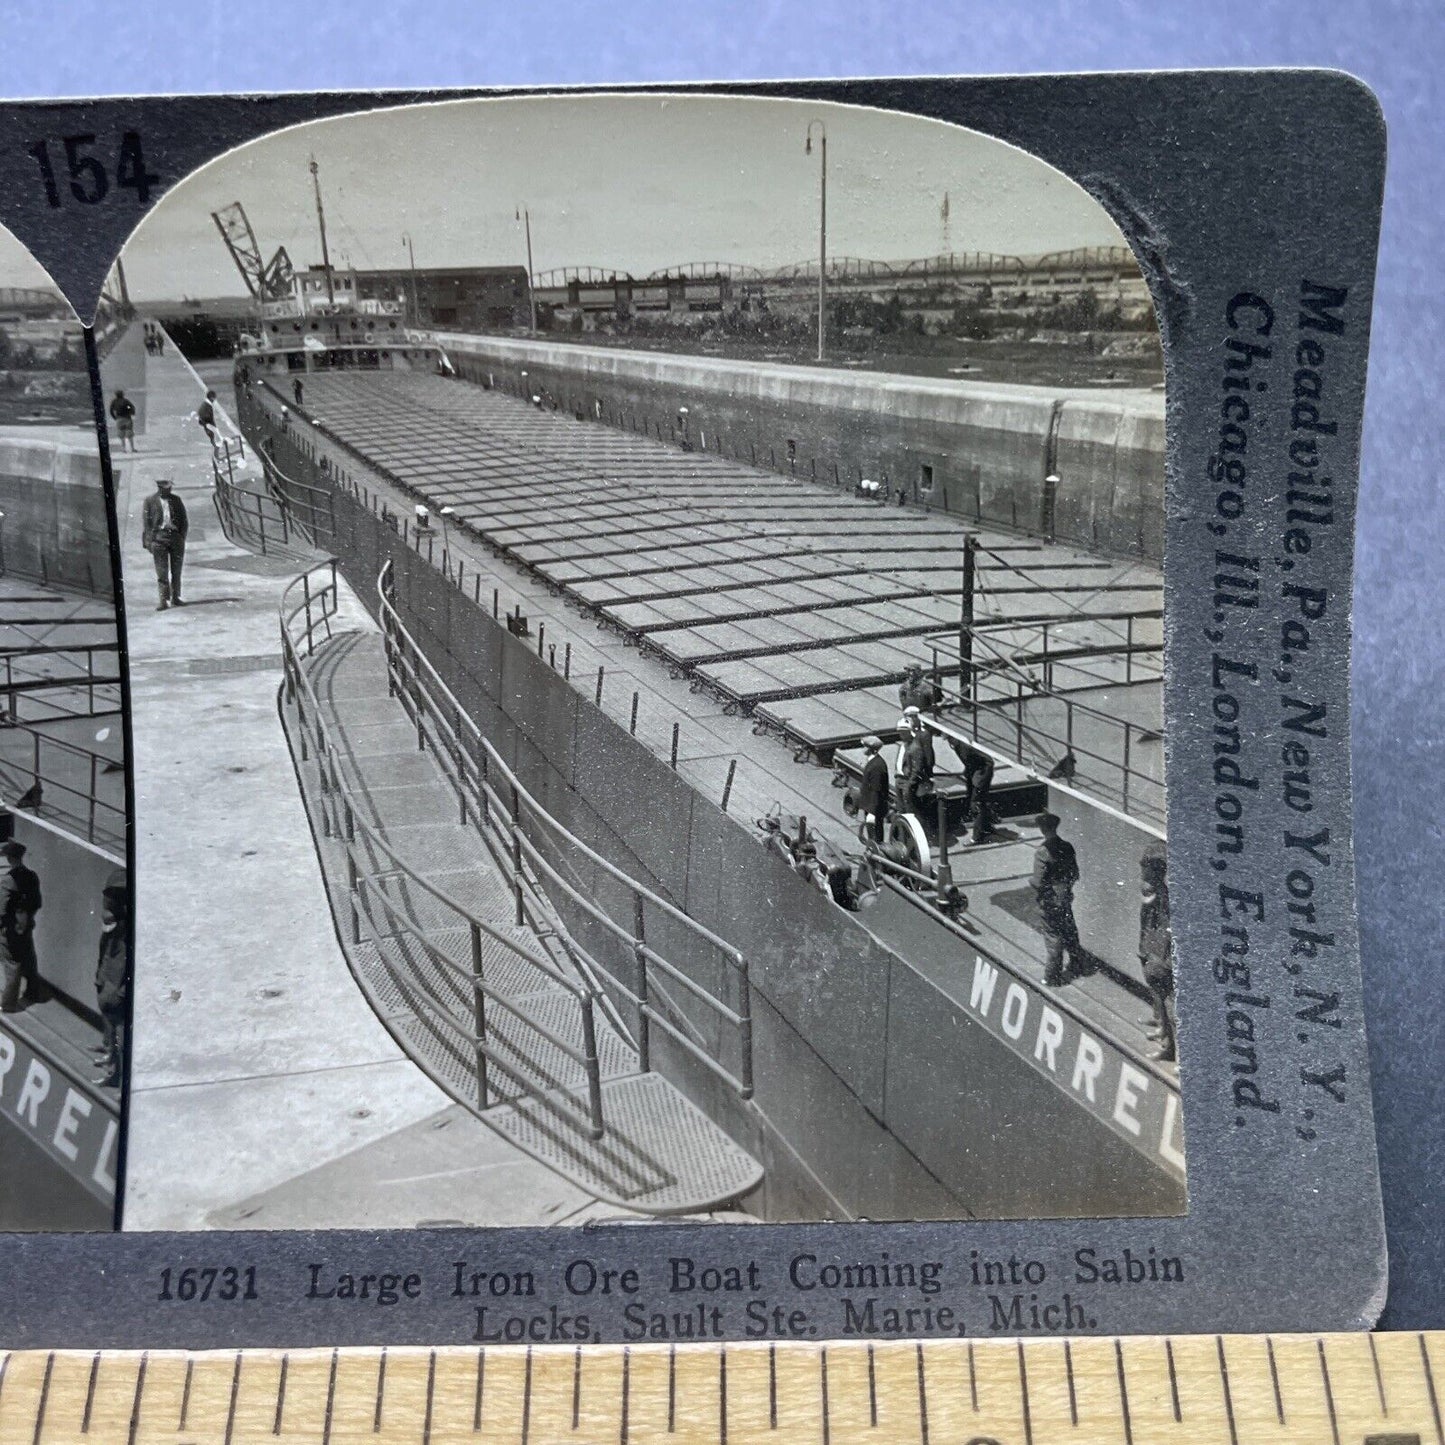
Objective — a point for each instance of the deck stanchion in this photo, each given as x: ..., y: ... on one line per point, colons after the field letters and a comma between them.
x: 676, y: 729
x: 632, y: 726
x: 644, y: 1030
x: 541, y: 633
x: 567, y: 662
x: 601, y: 673
x: 728, y: 786
x: 479, y: 1015
x: 594, y: 1072
x: 552, y: 656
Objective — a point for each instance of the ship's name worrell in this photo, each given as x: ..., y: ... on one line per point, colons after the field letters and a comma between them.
x: 1140, y: 1107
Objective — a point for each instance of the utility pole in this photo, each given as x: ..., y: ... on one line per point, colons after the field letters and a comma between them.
x: 822, y: 227
x: 965, y: 617
x: 525, y: 216
x: 321, y: 221
x: 415, y: 302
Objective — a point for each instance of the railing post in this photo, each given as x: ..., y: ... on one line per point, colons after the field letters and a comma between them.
x: 458, y: 759
x: 1128, y: 732
x: 745, y: 1027
x: 352, y: 882
x: 594, y: 1071
x: 639, y: 949
x: 517, y: 854
x: 479, y: 1016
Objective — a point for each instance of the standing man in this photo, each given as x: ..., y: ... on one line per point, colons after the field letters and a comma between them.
x: 164, y: 525
x: 978, y: 777
x: 873, y: 791
x: 919, y: 692
x: 297, y: 390
x: 206, y: 415
x: 112, y: 982
x: 19, y: 903
x: 122, y: 413
x: 915, y: 764
x: 1056, y: 870
x: 1156, y: 949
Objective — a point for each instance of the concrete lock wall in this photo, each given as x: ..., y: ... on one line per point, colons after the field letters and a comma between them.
x: 973, y: 449
x: 876, y: 1096
x: 54, y: 529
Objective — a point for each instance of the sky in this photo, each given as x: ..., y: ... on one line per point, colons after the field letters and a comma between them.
x: 629, y: 183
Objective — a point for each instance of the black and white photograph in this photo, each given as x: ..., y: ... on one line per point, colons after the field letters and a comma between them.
x: 64, y: 893
x: 646, y: 644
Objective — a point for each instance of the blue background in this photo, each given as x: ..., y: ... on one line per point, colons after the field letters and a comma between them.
x: 157, y: 46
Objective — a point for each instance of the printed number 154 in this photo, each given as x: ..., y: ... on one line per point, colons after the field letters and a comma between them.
x: 89, y: 179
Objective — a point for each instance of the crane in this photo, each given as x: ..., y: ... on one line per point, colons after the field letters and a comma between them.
x: 269, y: 281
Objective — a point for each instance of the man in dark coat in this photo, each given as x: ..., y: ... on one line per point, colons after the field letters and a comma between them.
x: 122, y: 413
x: 164, y: 525
x: 873, y: 791
x: 112, y: 981
x: 1156, y: 949
x: 918, y: 691
x: 19, y: 903
x: 912, y: 766
x: 1056, y: 870
x: 978, y: 776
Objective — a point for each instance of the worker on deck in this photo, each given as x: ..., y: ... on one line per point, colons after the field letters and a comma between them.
x: 1056, y: 870
x: 978, y: 781
x: 916, y: 763
x: 1156, y: 949
x: 297, y: 390
x: 918, y: 691
x: 873, y: 791
x: 206, y: 415
x: 19, y: 903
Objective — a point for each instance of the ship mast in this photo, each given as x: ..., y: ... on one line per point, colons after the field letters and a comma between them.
x: 321, y: 222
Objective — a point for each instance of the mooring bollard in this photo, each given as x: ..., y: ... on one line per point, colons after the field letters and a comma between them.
x: 728, y: 786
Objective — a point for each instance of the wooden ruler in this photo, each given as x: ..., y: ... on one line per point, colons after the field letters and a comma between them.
x: 1189, y: 1389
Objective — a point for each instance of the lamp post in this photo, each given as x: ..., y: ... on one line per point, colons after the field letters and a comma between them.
x: 525, y: 217
x: 415, y: 303
x: 822, y: 225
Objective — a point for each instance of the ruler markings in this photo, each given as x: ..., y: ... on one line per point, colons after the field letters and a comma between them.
x: 922, y: 1398
x: 481, y: 1384
x: 1024, y: 1396
x: 1430, y: 1386
x: 625, y: 1421
x: 1069, y: 1376
x: 872, y: 1390
x: 772, y: 1387
x: 1274, y: 1380
x: 90, y: 1393
x: 1329, y: 1390
x: 823, y: 1377
x: 331, y: 1399
x: 380, y: 1393
x: 1123, y: 1392
x: 972, y: 1379
x: 281, y: 1394
x: 1228, y: 1397
x: 44, y: 1397
x: 1173, y: 1381
x: 527, y: 1401
x: 431, y: 1382
x: 186, y: 1395
x: 722, y: 1396
x: 1379, y: 1378
x: 577, y: 1389
x: 230, y: 1408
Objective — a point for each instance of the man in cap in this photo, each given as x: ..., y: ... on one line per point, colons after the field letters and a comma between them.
x: 19, y: 903
x: 978, y: 778
x: 164, y: 525
x: 1156, y: 949
x: 873, y: 791
x: 1056, y: 870
x: 916, y: 691
x: 206, y: 415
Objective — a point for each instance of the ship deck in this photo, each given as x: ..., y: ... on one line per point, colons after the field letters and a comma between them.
x: 570, y: 522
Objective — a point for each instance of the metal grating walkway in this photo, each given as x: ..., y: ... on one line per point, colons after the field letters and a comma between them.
x: 659, y: 1153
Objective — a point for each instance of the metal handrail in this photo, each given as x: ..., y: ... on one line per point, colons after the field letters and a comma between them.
x: 451, y: 722
x: 95, y: 762
x: 342, y: 821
